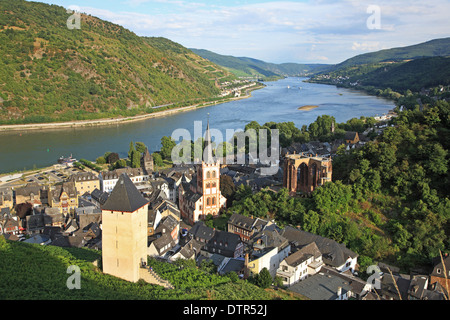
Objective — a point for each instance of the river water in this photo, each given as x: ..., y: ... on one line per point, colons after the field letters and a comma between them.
x: 277, y: 102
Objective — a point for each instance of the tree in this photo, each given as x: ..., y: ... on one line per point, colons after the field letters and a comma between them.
x: 167, y: 145
x: 157, y: 159
x: 140, y: 147
x: 100, y: 160
x: 135, y: 159
x: 263, y: 279
x: 227, y: 188
x: 121, y: 163
x: 131, y: 150
x: 112, y: 157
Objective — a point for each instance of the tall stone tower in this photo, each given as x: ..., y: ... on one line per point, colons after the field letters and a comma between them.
x: 208, y: 180
x: 124, y: 231
x: 147, y: 162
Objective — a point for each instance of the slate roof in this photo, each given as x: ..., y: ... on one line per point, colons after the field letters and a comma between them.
x: 334, y: 253
x: 125, y: 197
x: 233, y: 265
x: 321, y: 287
x: 225, y: 241
x: 99, y: 196
x: 303, y: 254
x: 200, y: 231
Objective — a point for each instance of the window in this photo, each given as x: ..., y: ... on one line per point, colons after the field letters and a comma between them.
x: 208, y: 174
x: 214, y: 185
x: 208, y: 185
x: 208, y: 201
x: 214, y: 174
x: 213, y: 201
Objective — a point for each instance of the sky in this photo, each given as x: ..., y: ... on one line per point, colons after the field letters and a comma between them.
x: 307, y: 31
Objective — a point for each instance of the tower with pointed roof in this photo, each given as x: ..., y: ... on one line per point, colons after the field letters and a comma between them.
x: 202, y: 197
x: 147, y: 162
x: 124, y: 231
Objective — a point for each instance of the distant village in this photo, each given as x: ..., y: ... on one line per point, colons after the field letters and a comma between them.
x: 133, y: 213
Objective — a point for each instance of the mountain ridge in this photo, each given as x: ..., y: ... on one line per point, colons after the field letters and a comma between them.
x: 50, y: 73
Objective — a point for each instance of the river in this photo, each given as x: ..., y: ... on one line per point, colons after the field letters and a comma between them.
x: 278, y: 102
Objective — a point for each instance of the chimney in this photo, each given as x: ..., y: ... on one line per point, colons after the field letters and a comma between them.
x: 339, y: 292
x: 246, y: 270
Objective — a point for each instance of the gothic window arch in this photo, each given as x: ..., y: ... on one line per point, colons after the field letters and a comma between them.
x: 213, y: 201
x: 208, y: 174
x: 214, y: 173
x: 208, y: 201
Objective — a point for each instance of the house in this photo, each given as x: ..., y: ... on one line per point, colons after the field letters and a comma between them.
x: 323, y: 286
x: 88, y: 215
x: 11, y: 226
x: 31, y: 193
x: 334, y: 254
x: 246, y: 227
x: 441, y: 272
x: 269, y: 249
x: 351, y: 137
x: 109, y: 179
x: 6, y: 198
x: 98, y: 197
x: 85, y: 182
x: 304, y: 262
x: 201, y: 233
x: 169, y: 225
x: 190, y: 250
x: 160, y: 246
x: 359, y: 287
x: 225, y: 243
x: 216, y: 242
x: 64, y: 197
x: 235, y: 265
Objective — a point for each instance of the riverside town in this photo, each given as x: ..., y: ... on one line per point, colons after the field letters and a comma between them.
x: 134, y: 167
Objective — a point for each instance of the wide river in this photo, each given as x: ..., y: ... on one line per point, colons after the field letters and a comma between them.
x: 278, y: 102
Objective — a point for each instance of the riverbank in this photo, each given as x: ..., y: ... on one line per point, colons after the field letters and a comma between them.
x: 118, y: 120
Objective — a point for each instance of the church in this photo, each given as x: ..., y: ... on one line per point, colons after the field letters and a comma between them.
x: 201, y: 196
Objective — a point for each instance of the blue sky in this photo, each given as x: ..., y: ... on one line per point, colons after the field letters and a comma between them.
x: 309, y: 31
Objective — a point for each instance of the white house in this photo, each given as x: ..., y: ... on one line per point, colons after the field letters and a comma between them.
x: 109, y: 179
x: 269, y: 250
x: 299, y: 265
x: 334, y: 254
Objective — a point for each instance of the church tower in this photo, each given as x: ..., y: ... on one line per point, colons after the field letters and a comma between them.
x: 201, y: 196
x: 124, y: 231
x: 208, y: 180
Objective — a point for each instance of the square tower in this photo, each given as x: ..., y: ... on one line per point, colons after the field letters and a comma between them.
x: 124, y: 231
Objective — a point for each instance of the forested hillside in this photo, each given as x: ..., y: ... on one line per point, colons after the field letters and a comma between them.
x: 49, y: 72
x: 432, y: 48
x: 249, y: 67
x: 389, y: 200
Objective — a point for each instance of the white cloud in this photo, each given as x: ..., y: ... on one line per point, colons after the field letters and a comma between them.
x: 283, y: 29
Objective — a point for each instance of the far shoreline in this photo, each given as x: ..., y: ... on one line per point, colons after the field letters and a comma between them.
x: 111, y: 121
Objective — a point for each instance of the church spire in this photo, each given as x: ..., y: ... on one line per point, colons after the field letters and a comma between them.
x: 208, y: 153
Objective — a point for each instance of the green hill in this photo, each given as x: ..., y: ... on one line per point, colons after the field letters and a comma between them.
x: 413, y: 75
x: 35, y: 272
x: 51, y: 73
x: 249, y: 67
x: 432, y: 48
